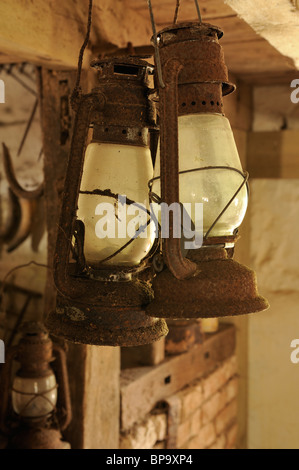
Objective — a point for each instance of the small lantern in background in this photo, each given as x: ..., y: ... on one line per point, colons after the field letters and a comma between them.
x: 198, y: 162
x: 36, y: 408
x: 104, y: 285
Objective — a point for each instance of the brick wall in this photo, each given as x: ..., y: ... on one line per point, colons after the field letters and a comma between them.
x: 208, y: 410
x: 151, y: 433
x: 201, y: 415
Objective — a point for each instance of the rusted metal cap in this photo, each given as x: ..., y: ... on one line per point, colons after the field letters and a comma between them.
x: 124, y: 67
x: 188, y: 30
x: 104, y: 326
x: 123, y: 85
x: 35, y: 350
x: 196, y: 47
x: 38, y: 438
x: 221, y: 287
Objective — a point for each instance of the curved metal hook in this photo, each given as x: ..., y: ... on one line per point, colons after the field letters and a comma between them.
x: 14, y: 219
x: 13, y: 183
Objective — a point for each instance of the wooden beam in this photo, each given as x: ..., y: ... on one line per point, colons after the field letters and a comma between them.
x: 278, y: 24
x: 101, y: 399
x: 51, y: 33
x: 143, y: 387
x: 246, y: 52
x: 273, y: 154
x: 256, y: 57
x: 164, y: 9
x: 269, y: 79
x: 234, y: 29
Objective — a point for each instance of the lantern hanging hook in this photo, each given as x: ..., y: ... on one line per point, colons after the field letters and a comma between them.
x: 198, y: 11
x: 178, y: 4
x: 156, y: 46
x: 77, y: 90
x: 155, y: 36
x: 12, y: 181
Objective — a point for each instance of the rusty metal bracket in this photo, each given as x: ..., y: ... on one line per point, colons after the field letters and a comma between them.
x: 67, y: 285
x: 11, y: 226
x: 178, y: 265
x: 64, y: 412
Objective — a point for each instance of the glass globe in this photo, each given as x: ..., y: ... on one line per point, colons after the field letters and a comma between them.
x: 206, y: 140
x: 34, y: 397
x: 109, y: 224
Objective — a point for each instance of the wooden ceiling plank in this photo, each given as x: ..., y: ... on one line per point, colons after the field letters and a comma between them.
x: 208, y: 9
x: 277, y: 23
x: 267, y: 79
x: 51, y: 33
x: 257, y: 58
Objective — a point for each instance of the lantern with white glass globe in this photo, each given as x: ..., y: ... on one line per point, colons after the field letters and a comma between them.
x: 33, y: 412
x: 197, y: 164
x: 101, y: 269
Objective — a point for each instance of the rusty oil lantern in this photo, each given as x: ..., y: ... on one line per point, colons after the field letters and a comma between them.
x: 198, y: 162
x: 103, y: 282
x: 35, y: 403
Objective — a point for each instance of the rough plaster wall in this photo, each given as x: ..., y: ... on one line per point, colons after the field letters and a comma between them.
x: 278, y: 24
x: 268, y: 377
x: 273, y: 378
x: 274, y: 110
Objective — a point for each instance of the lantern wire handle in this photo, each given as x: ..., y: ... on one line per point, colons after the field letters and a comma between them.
x: 154, y: 197
x: 198, y: 11
x: 155, y: 36
x: 245, y: 181
x: 175, y: 19
x: 77, y: 88
x: 177, y: 11
x: 157, y: 52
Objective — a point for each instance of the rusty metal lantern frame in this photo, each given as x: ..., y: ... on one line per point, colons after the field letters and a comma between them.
x: 207, y: 72
x: 35, y: 352
x: 91, y: 307
x: 192, y: 78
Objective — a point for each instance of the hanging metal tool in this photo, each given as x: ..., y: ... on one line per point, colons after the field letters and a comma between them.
x: 12, y: 180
